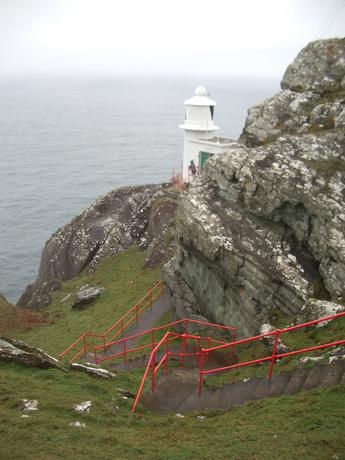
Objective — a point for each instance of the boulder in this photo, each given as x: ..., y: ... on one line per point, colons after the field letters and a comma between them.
x: 125, y: 393
x: 267, y: 328
x: 83, y: 407
x: 311, y: 100
x: 28, y: 405
x: 125, y: 216
x: 93, y: 370
x: 315, y: 309
x: 86, y: 295
x: 319, y: 67
x: 15, y: 351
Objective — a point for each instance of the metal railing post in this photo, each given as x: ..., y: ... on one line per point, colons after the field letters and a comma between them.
x: 85, y: 346
x: 208, y: 346
x: 273, y: 360
x: 233, y: 339
x: 95, y: 354
x: 167, y: 354
x: 197, y: 356
x: 153, y: 338
x: 124, y: 351
x: 183, y: 350
x: 153, y: 373
x: 201, y: 371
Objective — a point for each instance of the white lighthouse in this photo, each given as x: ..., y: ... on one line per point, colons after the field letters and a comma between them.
x: 199, y: 133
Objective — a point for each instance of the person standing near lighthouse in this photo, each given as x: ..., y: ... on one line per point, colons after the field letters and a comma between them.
x: 198, y: 125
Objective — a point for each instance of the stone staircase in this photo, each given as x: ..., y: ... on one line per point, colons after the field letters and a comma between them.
x: 177, y: 391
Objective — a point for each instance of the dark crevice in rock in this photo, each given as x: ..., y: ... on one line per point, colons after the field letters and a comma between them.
x: 91, y: 255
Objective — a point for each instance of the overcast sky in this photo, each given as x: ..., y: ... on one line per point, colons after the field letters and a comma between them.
x: 189, y: 37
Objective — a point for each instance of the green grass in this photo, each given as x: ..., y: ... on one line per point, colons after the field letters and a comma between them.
x: 308, y: 425
x: 125, y: 282
x: 7, y: 316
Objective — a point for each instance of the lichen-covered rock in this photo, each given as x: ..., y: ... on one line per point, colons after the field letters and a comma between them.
x: 20, y: 352
x: 28, y: 405
x: 263, y: 228
x: 86, y: 295
x: 319, y: 67
x: 109, y: 226
x: 315, y: 309
x: 270, y: 339
x: 83, y: 407
x: 312, y: 97
x: 93, y: 370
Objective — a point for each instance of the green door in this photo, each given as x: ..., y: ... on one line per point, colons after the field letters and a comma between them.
x: 203, y: 156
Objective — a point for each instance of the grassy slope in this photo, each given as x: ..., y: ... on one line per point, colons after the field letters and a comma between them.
x: 125, y: 282
x: 310, y: 425
x: 7, y: 316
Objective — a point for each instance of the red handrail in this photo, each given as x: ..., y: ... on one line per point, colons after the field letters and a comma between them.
x: 164, y: 360
x: 274, y: 356
x: 120, y: 324
x: 184, y: 321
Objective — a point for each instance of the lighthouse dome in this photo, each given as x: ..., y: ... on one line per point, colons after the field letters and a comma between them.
x: 200, y: 91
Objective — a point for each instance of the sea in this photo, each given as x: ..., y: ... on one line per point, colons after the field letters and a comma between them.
x: 66, y: 141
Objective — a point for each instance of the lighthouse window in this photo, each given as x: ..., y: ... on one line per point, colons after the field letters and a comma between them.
x: 212, y: 110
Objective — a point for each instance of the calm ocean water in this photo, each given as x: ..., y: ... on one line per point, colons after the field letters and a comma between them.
x: 65, y: 142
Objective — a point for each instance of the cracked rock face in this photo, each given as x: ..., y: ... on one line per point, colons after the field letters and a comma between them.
x: 109, y: 226
x: 263, y: 229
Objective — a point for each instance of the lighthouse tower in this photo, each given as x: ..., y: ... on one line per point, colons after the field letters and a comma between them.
x: 198, y: 126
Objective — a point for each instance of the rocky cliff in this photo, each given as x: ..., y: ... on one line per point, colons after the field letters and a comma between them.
x: 123, y: 217
x: 263, y: 228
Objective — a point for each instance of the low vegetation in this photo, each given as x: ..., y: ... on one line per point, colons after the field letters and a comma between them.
x: 309, y: 424
x: 125, y: 281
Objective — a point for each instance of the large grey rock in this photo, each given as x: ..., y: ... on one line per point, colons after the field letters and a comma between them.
x: 312, y: 97
x: 107, y: 227
x: 20, y: 352
x: 315, y: 309
x: 263, y: 228
x: 86, y: 295
x: 319, y: 67
x: 93, y: 370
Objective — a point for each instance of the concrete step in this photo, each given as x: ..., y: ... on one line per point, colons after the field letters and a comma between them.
x: 334, y: 374
x: 177, y: 392
x: 278, y: 383
x: 314, y: 377
x: 172, y: 390
x: 296, y: 381
x: 196, y: 401
x: 342, y: 379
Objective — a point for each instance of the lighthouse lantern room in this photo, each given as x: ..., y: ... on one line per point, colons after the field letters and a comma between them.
x: 199, y: 133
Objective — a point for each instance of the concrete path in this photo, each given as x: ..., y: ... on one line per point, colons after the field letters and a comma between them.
x: 167, y: 400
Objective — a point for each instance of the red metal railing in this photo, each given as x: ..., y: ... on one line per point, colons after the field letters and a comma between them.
x: 117, y: 328
x: 153, y: 366
x: 121, y: 348
x: 203, y: 354
x: 274, y: 357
